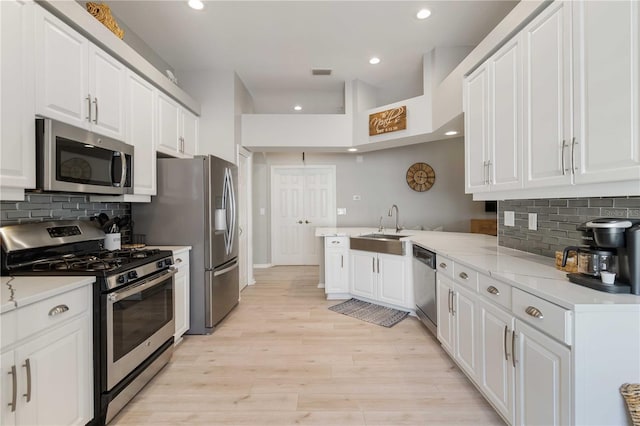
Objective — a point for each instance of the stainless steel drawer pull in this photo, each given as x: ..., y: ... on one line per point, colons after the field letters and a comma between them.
x: 513, y: 348
x: 534, y: 312
x: 491, y: 289
x: 60, y: 309
x: 463, y: 275
x: 27, y: 365
x: 335, y: 242
x: 443, y: 265
x: 342, y: 261
x: 14, y: 392
x: 506, y: 332
x: 178, y: 260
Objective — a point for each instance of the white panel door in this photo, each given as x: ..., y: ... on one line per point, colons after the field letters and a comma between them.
x: 303, y: 198
x: 606, y: 90
x: 17, y: 162
x: 141, y: 132
x: 496, y: 368
x: 61, y: 58
x: 505, y: 129
x: 107, y: 79
x: 444, y: 296
x: 9, y: 386
x: 476, y: 129
x: 168, y: 128
x: 547, y: 97
x: 543, y: 379
x: 391, y: 279
x: 363, y: 273
x: 466, y: 322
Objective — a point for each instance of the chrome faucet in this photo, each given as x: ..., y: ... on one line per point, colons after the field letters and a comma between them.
x: 391, y: 214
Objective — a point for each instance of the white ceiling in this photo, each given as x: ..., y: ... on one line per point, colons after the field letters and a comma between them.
x: 273, y: 45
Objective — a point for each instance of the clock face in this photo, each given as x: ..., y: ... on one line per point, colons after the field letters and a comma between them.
x: 420, y: 177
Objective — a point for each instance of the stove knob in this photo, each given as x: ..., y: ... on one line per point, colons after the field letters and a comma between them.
x: 132, y: 275
x: 122, y: 279
x: 168, y: 262
x: 160, y: 264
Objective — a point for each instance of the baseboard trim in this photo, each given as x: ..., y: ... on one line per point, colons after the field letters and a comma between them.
x: 320, y: 285
x: 262, y: 265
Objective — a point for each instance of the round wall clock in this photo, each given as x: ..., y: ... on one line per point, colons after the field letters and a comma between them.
x: 420, y: 177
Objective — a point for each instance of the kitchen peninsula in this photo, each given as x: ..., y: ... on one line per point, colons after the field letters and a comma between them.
x: 515, y: 325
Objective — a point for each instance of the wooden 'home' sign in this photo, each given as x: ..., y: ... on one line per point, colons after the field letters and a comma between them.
x: 387, y: 121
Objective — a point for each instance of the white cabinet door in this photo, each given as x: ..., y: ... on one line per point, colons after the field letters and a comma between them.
x: 547, y: 97
x: 17, y: 162
x: 505, y: 128
x: 363, y: 274
x: 336, y: 277
x: 444, y: 295
x: 59, y: 367
x: 496, y: 369
x: 465, y: 315
x: 141, y: 132
x: 182, y: 290
x: 9, y: 389
x: 189, y: 132
x: 107, y: 86
x: 476, y: 123
x: 168, y: 128
x: 391, y: 279
x: 543, y: 379
x: 606, y: 90
x: 61, y: 58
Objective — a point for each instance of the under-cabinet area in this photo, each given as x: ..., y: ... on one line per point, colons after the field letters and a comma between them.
x: 513, y: 324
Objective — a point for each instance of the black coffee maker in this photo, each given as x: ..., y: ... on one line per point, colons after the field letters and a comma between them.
x: 610, y: 245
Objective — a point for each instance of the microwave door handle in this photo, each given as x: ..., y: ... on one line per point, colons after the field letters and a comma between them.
x: 123, y: 162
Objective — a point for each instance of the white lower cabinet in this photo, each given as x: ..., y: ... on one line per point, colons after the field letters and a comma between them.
x: 336, y: 272
x: 466, y: 328
x: 47, y: 376
x: 446, y: 325
x: 182, y: 289
x: 380, y: 277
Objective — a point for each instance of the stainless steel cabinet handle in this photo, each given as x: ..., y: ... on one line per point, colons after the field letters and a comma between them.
x: 564, y: 145
x: 335, y: 242
x: 27, y: 365
x: 57, y: 310
x: 342, y: 260
x: 534, y: 312
x: 513, y: 348
x: 491, y: 289
x: 463, y: 275
x: 95, y: 102
x: 489, y: 172
x: 14, y: 388
x: 449, y: 301
x: 506, y: 332
x: 178, y: 260
x: 373, y: 264
x: 443, y: 265
x: 573, y: 156
x: 453, y: 303
x: 378, y: 265
x: 88, y: 99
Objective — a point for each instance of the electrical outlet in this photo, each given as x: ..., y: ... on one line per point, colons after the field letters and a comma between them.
x: 356, y: 198
x: 533, y: 221
x: 342, y: 211
x: 509, y: 219
x: 263, y: 211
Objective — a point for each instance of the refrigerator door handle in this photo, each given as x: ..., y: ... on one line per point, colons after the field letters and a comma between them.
x: 232, y: 205
x: 225, y: 270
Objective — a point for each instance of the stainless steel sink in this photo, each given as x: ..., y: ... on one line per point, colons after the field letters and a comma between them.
x: 379, y: 243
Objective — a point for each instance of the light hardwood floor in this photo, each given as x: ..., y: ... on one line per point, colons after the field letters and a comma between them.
x: 282, y: 358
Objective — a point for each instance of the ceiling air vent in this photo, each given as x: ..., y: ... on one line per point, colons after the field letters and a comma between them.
x: 320, y: 71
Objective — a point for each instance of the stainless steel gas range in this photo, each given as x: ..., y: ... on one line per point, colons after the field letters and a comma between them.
x: 133, y: 312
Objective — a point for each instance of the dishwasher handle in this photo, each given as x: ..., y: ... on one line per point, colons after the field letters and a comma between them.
x: 424, y: 256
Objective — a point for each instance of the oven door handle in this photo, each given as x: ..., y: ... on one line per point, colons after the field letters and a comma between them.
x: 145, y: 285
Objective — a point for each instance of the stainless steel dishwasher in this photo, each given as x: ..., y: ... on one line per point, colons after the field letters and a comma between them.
x: 424, y: 286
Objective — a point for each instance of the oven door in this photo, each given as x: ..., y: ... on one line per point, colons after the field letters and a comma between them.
x: 140, y: 318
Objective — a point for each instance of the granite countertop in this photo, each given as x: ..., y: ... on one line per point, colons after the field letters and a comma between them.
x: 529, y: 272
x: 16, y: 292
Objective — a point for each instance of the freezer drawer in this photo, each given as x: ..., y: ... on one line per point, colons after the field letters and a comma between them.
x: 222, y: 292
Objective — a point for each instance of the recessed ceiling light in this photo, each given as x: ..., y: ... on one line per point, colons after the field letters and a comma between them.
x: 196, y: 4
x: 374, y: 60
x: 352, y: 149
x: 423, y: 14
x: 297, y: 108
x: 451, y: 133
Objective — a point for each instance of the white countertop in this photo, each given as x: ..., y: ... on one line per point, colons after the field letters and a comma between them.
x: 22, y: 291
x: 171, y: 248
x: 529, y: 272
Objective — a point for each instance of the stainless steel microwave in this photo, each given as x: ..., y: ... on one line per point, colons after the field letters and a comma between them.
x: 72, y: 159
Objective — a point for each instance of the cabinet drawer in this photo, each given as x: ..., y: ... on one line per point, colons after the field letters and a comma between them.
x: 8, y: 326
x: 466, y: 276
x: 495, y: 291
x: 336, y: 242
x: 552, y: 319
x: 444, y: 265
x: 43, y: 314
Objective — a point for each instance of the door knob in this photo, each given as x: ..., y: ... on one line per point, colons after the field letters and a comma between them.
x: 300, y: 222
x: 306, y: 221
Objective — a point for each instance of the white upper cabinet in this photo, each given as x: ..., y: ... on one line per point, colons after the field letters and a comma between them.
x: 141, y: 132
x: 177, y: 129
x: 547, y: 97
x: 77, y: 82
x: 476, y: 123
x: 606, y: 58
x: 17, y: 162
x: 189, y: 132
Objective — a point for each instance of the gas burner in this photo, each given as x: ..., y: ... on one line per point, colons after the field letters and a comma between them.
x: 129, y: 253
x: 94, y: 264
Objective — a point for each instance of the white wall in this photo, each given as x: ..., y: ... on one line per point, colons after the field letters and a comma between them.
x: 319, y: 101
x: 243, y: 104
x: 380, y: 181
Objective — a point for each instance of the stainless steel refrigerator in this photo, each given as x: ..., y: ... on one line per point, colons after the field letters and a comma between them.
x: 196, y: 206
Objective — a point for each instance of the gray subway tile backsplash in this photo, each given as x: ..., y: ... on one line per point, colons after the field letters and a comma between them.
x: 557, y: 220
x: 38, y: 207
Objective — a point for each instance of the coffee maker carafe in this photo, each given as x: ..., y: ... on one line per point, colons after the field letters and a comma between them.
x: 612, y: 245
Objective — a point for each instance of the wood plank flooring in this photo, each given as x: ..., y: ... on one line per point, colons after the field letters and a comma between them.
x: 283, y: 358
